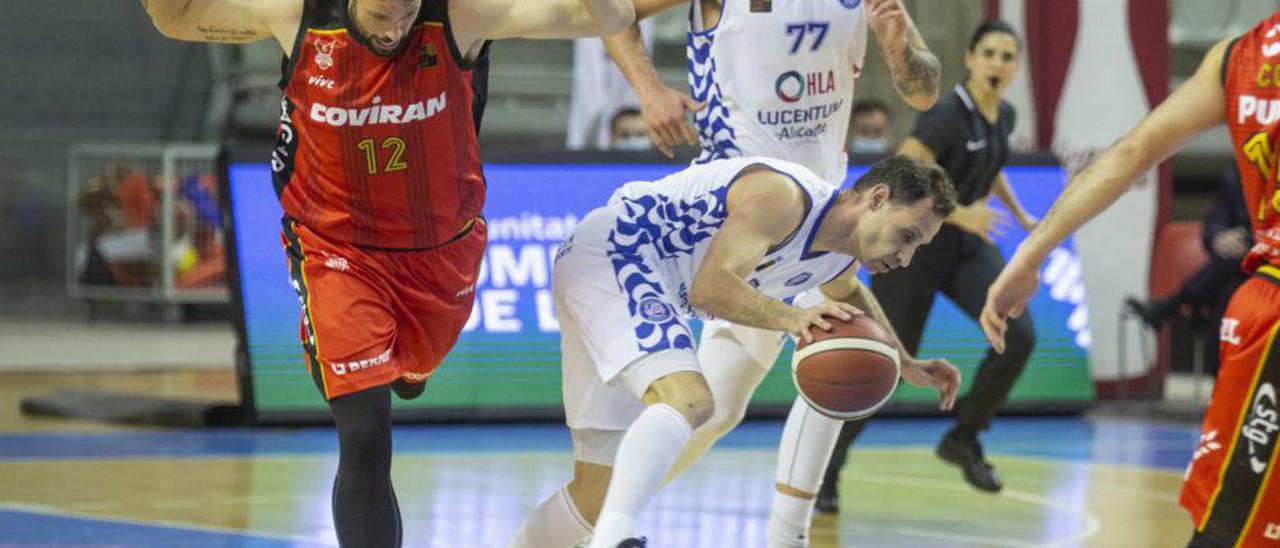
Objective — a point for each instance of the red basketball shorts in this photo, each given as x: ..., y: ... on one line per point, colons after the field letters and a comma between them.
x: 1232, y: 488
x: 373, y: 316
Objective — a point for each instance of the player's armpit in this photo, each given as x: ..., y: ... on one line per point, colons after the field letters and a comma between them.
x: 216, y: 21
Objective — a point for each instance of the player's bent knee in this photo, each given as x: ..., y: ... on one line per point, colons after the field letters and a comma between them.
x: 686, y: 392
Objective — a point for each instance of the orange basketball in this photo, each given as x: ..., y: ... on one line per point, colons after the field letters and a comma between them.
x: 849, y: 372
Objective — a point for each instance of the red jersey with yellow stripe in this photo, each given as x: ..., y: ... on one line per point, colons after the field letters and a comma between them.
x: 380, y: 151
x: 1251, y: 80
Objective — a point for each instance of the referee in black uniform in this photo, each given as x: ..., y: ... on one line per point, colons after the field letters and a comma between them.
x: 967, y: 133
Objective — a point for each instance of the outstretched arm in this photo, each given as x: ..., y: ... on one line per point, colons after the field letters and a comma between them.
x: 1195, y: 106
x: 916, y: 70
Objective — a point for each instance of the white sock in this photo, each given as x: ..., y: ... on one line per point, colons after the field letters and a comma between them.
x: 733, y: 375
x: 556, y: 523
x: 807, y: 441
x: 644, y: 456
x: 789, y: 521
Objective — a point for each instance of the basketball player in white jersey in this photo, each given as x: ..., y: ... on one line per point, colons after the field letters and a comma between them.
x: 772, y: 78
x: 733, y: 239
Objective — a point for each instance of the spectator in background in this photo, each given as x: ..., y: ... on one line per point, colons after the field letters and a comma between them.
x: 627, y: 132
x: 1227, y: 238
x: 872, y: 129
x: 600, y: 93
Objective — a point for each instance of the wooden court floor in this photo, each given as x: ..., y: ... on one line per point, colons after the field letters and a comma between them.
x: 1069, y: 482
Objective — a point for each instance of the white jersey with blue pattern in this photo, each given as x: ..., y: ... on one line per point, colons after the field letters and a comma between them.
x: 777, y: 77
x: 662, y: 230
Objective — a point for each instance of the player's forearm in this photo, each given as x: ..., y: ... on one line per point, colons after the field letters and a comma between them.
x: 1096, y: 187
x: 726, y: 295
x: 628, y: 52
x: 609, y: 16
x: 915, y: 69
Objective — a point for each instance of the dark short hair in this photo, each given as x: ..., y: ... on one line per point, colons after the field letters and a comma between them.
x: 869, y: 105
x: 909, y: 181
x: 993, y: 25
x: 624, y: 111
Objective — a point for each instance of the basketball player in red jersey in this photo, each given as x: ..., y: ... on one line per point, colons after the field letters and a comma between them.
x: 378, y: 170
x: 1231, y: 488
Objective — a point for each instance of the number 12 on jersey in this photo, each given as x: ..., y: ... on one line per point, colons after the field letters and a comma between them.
x: 370, y: 148
x: 816, y: 28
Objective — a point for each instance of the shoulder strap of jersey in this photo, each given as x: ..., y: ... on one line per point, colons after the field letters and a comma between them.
x: 323, y: 14
x: 1226, y: 58
x: 437, y: 11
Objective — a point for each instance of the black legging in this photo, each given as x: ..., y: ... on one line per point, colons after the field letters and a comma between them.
x: 962, y: 267
x: 365, y: 511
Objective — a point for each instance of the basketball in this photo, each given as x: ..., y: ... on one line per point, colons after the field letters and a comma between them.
x: 849, y: 372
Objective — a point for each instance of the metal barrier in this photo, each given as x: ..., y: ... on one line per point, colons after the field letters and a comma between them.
x: 143, y: 224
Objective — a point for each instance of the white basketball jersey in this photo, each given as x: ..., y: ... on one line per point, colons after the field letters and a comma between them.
x: 669, y: 224
x: 777, y: 78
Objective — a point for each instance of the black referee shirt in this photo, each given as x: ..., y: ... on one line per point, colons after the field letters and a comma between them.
x: 970, y: 149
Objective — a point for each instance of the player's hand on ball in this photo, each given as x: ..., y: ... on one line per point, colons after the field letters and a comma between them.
x: 934, y: 373
x: 804, y: 319
x: 663, y: 110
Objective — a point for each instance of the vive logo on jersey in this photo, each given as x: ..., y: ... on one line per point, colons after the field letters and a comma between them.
x: 1260, y: 427
x: 791, y: 86
x: 850, y: 4
x: 320, y: 82
x: 1263, y: 111
x: 324, y: 53
x: 378, y: 113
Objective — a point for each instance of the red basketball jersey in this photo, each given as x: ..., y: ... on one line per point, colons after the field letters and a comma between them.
x: 1251, y: 79
x: 374, y: 150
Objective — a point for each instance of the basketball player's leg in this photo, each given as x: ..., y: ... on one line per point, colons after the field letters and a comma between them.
x: 734, y: 360
x: 365, y: 510
x: 676, y: 402
x: 1231, y: 488
x: 616, y: 472
x: 352, y: 364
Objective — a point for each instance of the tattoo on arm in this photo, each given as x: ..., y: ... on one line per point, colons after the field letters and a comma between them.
x: 227, y: 35
x: 917, y: 70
